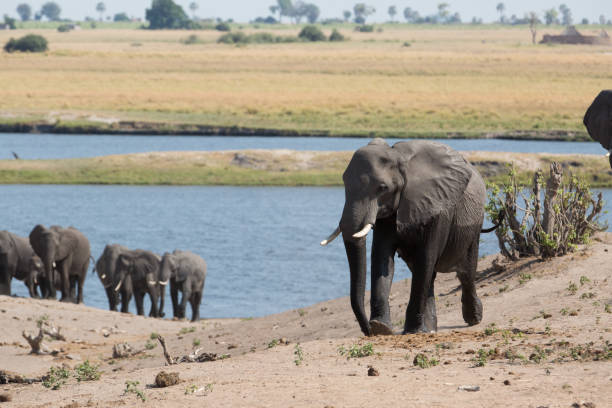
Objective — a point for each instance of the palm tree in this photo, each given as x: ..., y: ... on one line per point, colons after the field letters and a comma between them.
x: 392, y: 12
x: 501, y: 7
x: 101, y: 8
x: 193, y: 6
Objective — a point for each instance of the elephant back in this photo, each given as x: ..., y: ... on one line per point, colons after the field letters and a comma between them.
x: 190, y: 264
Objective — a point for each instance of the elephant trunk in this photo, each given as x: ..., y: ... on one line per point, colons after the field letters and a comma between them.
x: 356, y: 255
x: 49, y: 276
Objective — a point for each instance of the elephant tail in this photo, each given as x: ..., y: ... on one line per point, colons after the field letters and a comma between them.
x: 93, y: 261
x: 498, y: 222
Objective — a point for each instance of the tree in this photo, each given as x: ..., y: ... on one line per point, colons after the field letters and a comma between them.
x: 51, y: 10
x: 362, y: 11
x: 311, y: 12
x: 602, y: 19
x: 392, y: 12
x: 285, y: 9
x: 443, y: 11
x: 411, y: 16
x: 25, y: 11
x: 550, y: 16
x: 101, y: 8
x: 501, y: 7
x: 347, y: 15
x: 193, y: 6
x: 532, y: 17
x: 566, y: 14
x: 121, y: 17
x: 275, y: 9
x: 166, y: 14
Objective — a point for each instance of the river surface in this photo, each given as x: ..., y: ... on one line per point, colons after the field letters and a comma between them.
x: 261, y: 244
x: 43, y: 146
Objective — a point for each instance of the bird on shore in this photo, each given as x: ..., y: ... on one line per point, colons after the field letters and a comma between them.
x: 15, y: 155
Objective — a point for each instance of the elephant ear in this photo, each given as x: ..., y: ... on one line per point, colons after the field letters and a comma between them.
x: 436, y: 177
x: 598, y: 119
x: 36, y: 238
x: 68, y: 242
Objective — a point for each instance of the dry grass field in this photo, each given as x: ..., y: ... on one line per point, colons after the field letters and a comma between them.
x: 404, y: 81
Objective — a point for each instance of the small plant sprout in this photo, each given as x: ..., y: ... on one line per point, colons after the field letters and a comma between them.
x: 608, y: 308
x: 356, y: 351
x: 132, y: 387
x: 482, y: 356
x: 87, y: 372
x: 186, y: 330
x: 421, y: 360
x: 301, y: 312
x: 149, y: 345
x: 299, y: 354
x: 56, y: 377
x: 572, y: 288
x: 153, y: 336
x: 490, y: 330
x: 42, y: 320
x: 191, y: 389
x: 273, y: 343
x: 196, y: 342
x: 583, y: 280
x: 524, y: 277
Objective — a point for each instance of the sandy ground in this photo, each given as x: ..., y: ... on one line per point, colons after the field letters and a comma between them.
x: 540, y: 345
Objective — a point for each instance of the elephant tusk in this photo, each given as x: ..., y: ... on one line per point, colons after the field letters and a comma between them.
x: 363, y: 232
x: 119, y: 285
x: 54, y: 265
x: 164, y: 283
x: 152, y: 282
x: 609, y: 152
x: 333, y: 236
x: 103, y: 276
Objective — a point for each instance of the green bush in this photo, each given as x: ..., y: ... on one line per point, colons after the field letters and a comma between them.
x: 336, y: 36
x: 312, y: 33
x: 64, y: 28
x: 234, y: 38
x: 192, y: 39
x: 365, y: 28
x: 223, y: 27
x: 239, y: 37
x: 28, y: 43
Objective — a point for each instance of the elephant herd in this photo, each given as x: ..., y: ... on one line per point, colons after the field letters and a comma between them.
x: 422, y: 200
x: 57, y: 259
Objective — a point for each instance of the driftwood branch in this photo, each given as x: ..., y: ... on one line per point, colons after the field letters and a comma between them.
x: 36, y: 342
x: 52, y: 331
x: 198, y: 356
x: 124, y: 350
x: 162, y: 341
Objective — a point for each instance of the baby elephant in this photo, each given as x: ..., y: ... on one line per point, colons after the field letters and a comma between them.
x: 187, y: 273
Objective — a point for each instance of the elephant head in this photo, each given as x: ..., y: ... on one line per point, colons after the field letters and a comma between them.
x: 49, y: 246
x: 408, y: 185
x: 143, y: 269
x: 598, y: 120
x: 35, y: 272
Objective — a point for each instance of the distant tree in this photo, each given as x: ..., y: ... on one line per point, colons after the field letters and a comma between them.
x: 51, y: 10
x: 533, y: 19
x: 193, y: 6
x: 454, y: 18
x: 285, y: 9
x: 10, y: 22
x: 347, y: 15
x: 25, y: 11
x: 275, y: 9
x: 411, y: 16
x: 166, y: 14
x: 443, y: 11
x: 312, y: 12
x: 602, y: 19
x: 101, y: 8
x: 392, y: 12
x: 362, y: 11
x: 476, y: 20
x: 501, y: 7
x: 311, y: 33
x: 566, y: 14
x: 121, y: 17
x: 28, y: 43
x: 550, y: 16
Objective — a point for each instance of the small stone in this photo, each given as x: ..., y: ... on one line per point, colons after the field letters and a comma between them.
x: 491, y: 378
x: 6, y: 398
x: 469, y: 388
x: 372, y: 372
x: 231, y: 346
x: 283, y: 340
x: 74, y: 357
x: 164, y: 379
x: 506, y: 382
x: 470, y: 351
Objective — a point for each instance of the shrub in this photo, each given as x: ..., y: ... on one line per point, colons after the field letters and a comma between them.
x: 223, y: 27
x: 233, y: 38
x: 239, y: 37
x: 312, y: 33
x: 336, y: 36
x: 28, y: 43
x: 56, y: 377
x: 87, y: 372
x: 192, y: 39
x: 365, y: 28
x: 568, y: 216
x: 64, y: 28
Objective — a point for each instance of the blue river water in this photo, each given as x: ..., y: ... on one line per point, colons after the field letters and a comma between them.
x: 41, y: 146
x: 261, y: 244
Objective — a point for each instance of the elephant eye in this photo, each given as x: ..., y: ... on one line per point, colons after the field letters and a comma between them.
x: 383, y: 188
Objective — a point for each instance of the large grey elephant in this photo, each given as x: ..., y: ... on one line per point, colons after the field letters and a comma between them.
x: 67, y: 251
x: 106, y: 270
x: 18, y: 260
x: 187, y: 273
x: 425, y: 202
x: 598, y: 120
x: 142, y: 268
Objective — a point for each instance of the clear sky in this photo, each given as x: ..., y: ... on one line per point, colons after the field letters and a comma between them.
x: 246, y: 10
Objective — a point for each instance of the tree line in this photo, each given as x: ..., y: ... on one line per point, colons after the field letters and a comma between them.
x: 168, y: 14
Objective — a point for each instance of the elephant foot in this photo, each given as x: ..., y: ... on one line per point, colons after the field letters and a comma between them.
x: 67, y: 300
x: 380, y: 329
x: 472, y: 311
x: 421, y: 324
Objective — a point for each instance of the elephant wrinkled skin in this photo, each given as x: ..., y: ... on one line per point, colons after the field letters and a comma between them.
x: 67, y: 251
x: 187, y: 273
x: 425, y: 202
x: 598, y: 120
x: 18, y: 260
x: 106, y: 270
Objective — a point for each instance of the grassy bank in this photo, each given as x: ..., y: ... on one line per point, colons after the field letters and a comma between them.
x: 261, y: 168
x: 403, y: 81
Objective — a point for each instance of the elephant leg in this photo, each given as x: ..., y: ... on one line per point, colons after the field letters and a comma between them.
x: 196, y: 298
x: 64, y: 268
x: 419, y: 318
x: 174, y: 297
x: 112, y: 298
x: 383, y: 267
x: 80, y: 282
x: 185, y: 297
x: 139, y: 297
x: 125, y: 301
x: 471, y: 306
x: 154, y: 299
x: 73, y: 286
x: 5, y: 275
